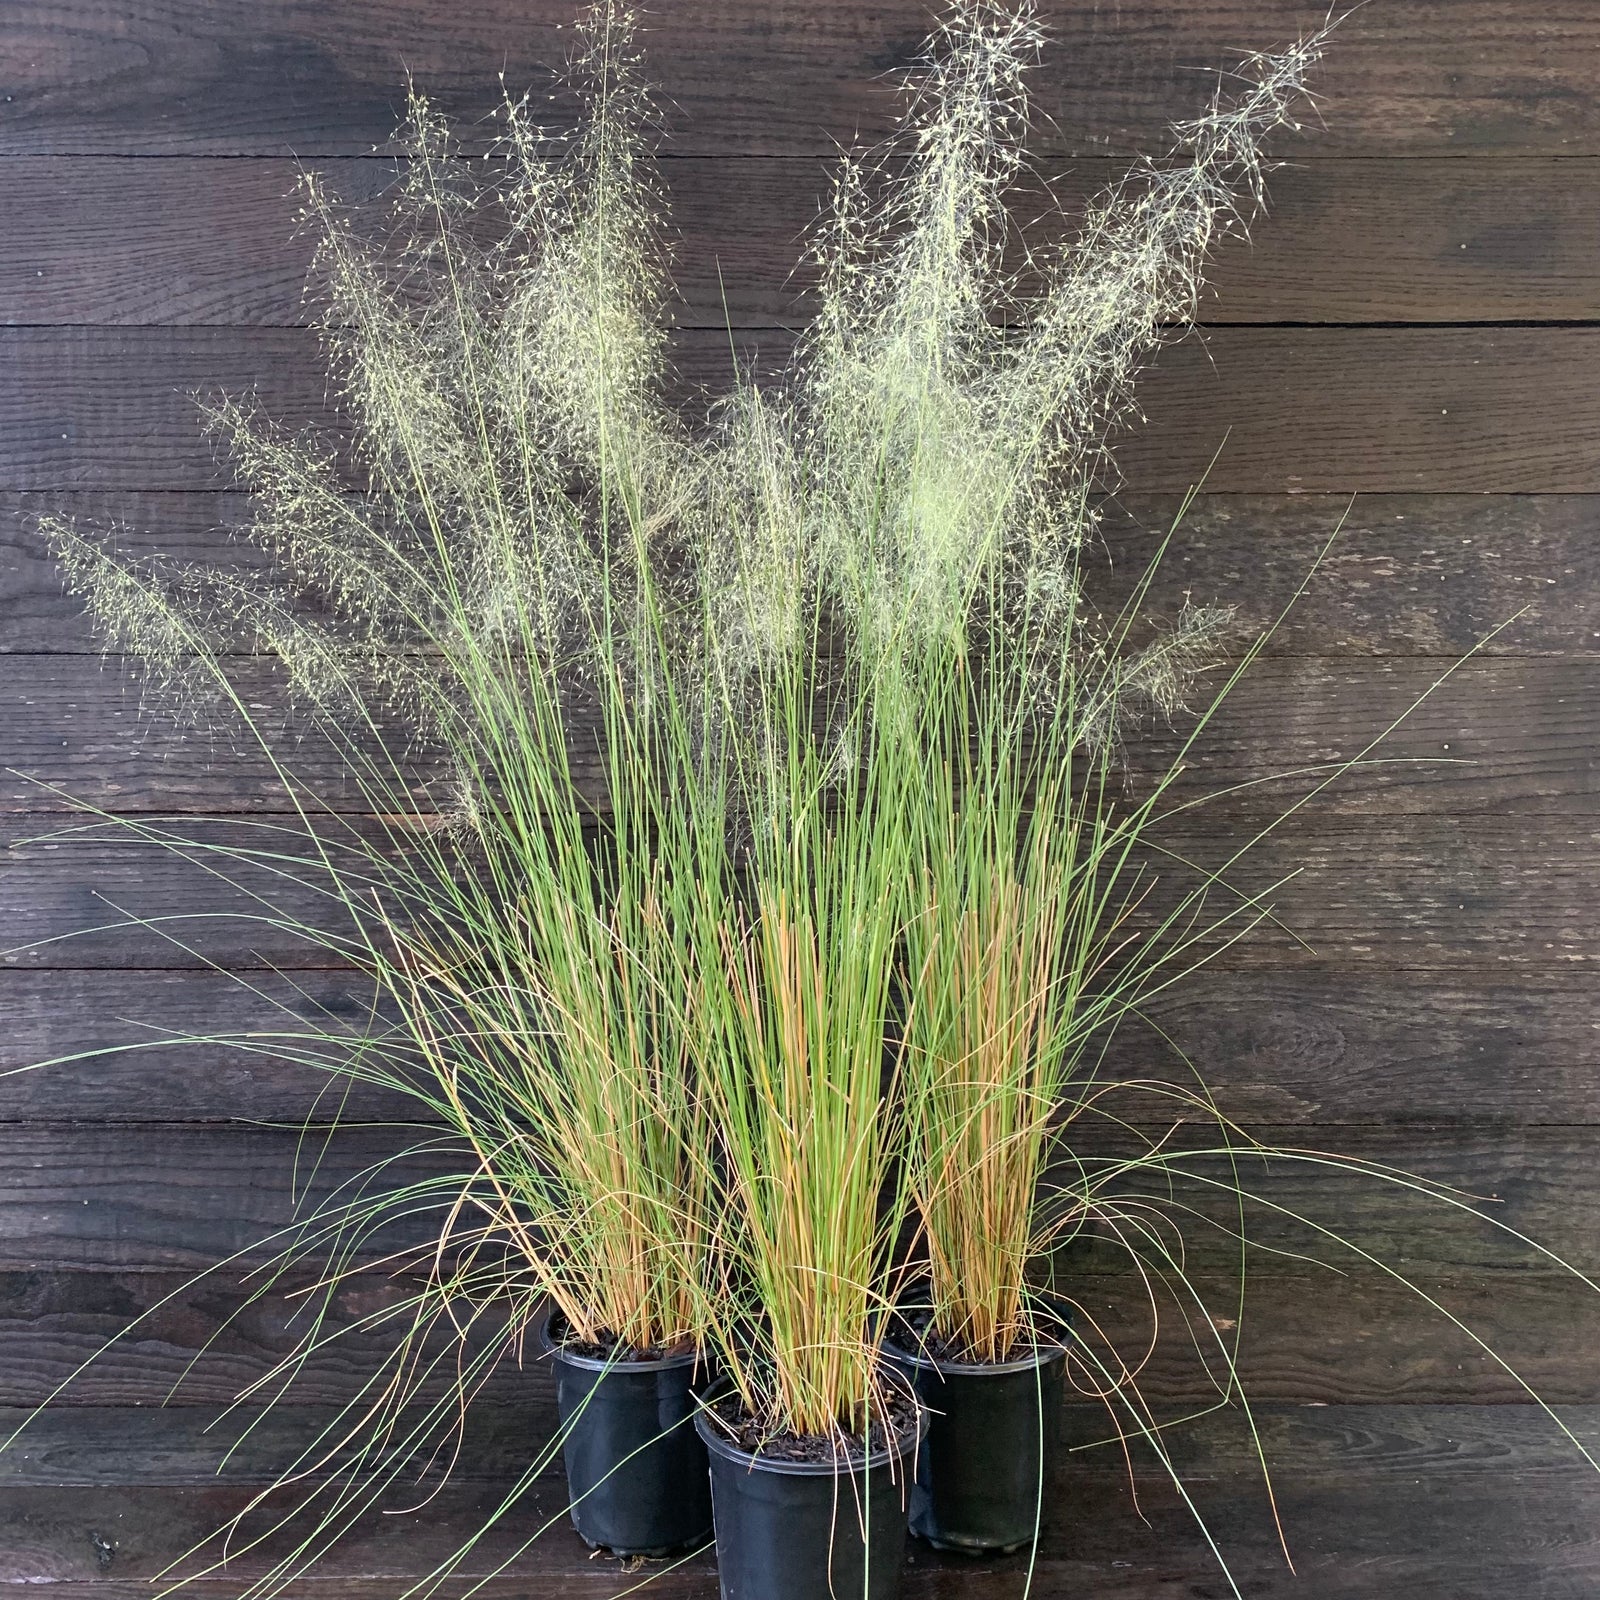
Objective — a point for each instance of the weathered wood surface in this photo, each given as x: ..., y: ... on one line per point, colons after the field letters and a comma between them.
x: 180, y: 1196
x: 1484, y: 1502
x: 198, y: 1344
x: 188, y: 1196
x: 1444, y: 1019
x: 1373, y: 410
x: 1483, y: 893
x: 1500, y: 734
x: 100, y: 1017
x: 102, y: 240
x: 1409, y: 574
x: 1428, y: 77
x: 1325, y: 1045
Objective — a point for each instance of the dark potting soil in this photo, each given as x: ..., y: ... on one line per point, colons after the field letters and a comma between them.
x: 760, y: 1438
x: 914, y: 1332
x: 606, y: 1347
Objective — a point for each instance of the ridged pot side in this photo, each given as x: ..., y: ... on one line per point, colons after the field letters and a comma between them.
x: 809, y: 1530
x: 637, y: 1475
x: 991, y: 1440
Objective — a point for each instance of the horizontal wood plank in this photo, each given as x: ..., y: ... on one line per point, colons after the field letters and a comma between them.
x: 1408, y: 574
x: 1319, y: 1047
x: 1472, y: 893
x: 1324, y: 1047
x: 1379, y: 335
x: 97, y: 1029
x: 106, y: 241
x: 1446, y: 1503
x: 185, y: 1446
x: 1373, y: 1341
x: 1371, y: 410
x: 1430, y: 77
x: 1497, y: 734
x: 185, y: 1196
x: 160, y: 1339
x: 1374, y: 410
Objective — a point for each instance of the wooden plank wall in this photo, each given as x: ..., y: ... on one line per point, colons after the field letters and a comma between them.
x: 1417, y: 325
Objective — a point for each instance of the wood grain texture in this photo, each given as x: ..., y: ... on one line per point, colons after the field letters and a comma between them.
x: 183, y: 1448
x: 1370, y: 410
x: 169, y: 76
x: 1473, y: 895
x: 1408, y: 323
x: 1322, y: 1047
x: 107, y: 241
x: 200, y: 1345
x: 96, y: 1030
x: 1327, y: 1046
x: 1506, y: 734
x: 1410, y: 574
x: 182, y: 1197
x: 1431, y: 1501
x: 185, y: 1343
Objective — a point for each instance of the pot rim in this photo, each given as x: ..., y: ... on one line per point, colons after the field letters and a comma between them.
x: 1044, y: 1353
x: 559, y: 1352
x: 716, y: 1440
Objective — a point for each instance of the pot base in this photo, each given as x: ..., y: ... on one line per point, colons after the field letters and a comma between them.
x: 974, y: 1549
x: 636, y: 1469
x: 988, y: 1448
x: 797, y: 1530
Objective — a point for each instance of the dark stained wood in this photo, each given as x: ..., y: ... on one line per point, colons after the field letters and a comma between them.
x: 176, y: 1196
x: 1453, y: 747
x: 97, y: 408
x: 83, y: 411
x: 1319, y: 1207
x: 1439, y: 1501
x: 1371, y: 1341
x: 103, y: 240
x: 1360, y: 1339
x: 1495, y: 734
x: 1321, y: 1047
x: 1431, y: 77
x: 1458, y: 891
x: 1476, y: 894
x: 36, y: 614
x: 113, y: 901
x: 182, y: 1446
x: 128, y: 750
x: 1326, y: 1046
x: 183, y: 1449
x: 203, y: 1343
x: 1481, y: 240
x: 1374, y: 410
x: 1443, y: 1020
x: 1409, y: 574
x: 95, y: 1016
x: 1370, y: 410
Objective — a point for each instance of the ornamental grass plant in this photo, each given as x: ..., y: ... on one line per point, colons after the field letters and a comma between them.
x: 743, y: 872
x: 910, y: 505
x: 462, y: 605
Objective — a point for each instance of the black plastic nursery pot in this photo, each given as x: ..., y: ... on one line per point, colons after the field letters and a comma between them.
x: 808, y: 1530
x: 989, y: 1444
x: 636, y: 1469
